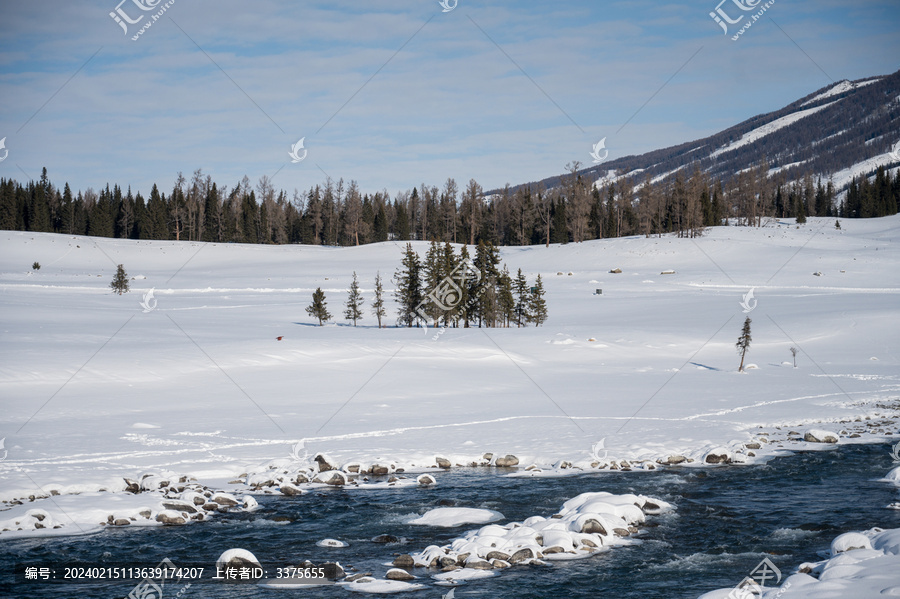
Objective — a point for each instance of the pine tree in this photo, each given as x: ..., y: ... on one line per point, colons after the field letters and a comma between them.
x: 523, y: 305
x: 354, y: 302
x: 537, y: 303
x: 506, y: 302
x: 409, y: 294
x: 378, y: 305
x: 119, y: 283
x: 448, y: 264
x: 433, y: 277
x: 318, y: 308
x: 465, y: 298
x: 743, y: 342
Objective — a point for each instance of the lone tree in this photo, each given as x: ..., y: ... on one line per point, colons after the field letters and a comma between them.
x: 378, y: 305
x: 120, y: 281
x: 354, y: 302
x: 794, y: 352
x: 318, y: 308
x: 743, y: 342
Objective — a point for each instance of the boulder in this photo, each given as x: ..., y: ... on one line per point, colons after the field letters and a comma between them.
x: 718, y: 455
x: 238, y: 558
x: 398, y: 574
x: 170, y: 518
x: 385, y: 539
x: 404, y: 561
x: 426, y: 480
x: 507, y: 461
x: 224, y: 499
x: 442, y: 463
x: 522, y: 555
x: 179, y: 506
x: 820, y: 436
x: 323, y: 463
x: 335, y: 478
x: 593, y: 526
x: 290, y: 490
x: 132, y: 486
x: 477, y: 563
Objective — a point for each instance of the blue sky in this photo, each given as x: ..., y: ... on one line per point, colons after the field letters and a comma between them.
x: 499, y: 92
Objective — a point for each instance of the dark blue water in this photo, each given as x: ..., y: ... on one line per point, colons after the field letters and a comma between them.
x: 726, y: 520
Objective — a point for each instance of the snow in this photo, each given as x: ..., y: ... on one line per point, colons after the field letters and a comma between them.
x: 769, y: 128
x: 843, y: 177
x: 332, y: 543
x: 456, y: 516
x: 80, y: 367
x: 840, y: 88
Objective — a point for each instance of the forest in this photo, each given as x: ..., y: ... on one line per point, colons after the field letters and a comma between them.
x: 338, y: 213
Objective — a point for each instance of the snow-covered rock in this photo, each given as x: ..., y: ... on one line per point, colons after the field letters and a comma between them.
x: 815, y: 435
x: 456, y: 516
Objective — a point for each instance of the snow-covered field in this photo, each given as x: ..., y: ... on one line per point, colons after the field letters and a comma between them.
x: 94, y: 389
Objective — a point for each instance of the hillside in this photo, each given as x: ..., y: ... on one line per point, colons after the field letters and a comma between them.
x: 843, y: 130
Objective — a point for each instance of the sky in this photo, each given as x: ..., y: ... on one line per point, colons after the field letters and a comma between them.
x: 397, y: 93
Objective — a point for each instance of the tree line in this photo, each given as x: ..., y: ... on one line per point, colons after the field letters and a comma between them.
x: 448, y: 290
x: 338, y: 213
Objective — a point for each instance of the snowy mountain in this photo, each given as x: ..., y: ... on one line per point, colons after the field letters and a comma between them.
x: 841, y: 131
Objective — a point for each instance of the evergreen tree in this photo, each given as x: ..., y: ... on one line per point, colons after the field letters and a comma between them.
x: 354, y: 302
x: 408, y: 280
x: 743, y: 342
x: 449, y: 264
x: 523, y: 305
x: 318, y: 308
x: 466, y: 297
x: 378, y: 305
x: 119, y: 283
x: 537, y: 303
x: 506, y: 302
x: 433, y: 271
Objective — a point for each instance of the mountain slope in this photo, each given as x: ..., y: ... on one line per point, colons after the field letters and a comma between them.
x: 842, y: 130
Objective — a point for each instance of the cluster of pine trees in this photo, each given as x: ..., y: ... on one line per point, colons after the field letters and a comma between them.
x: 448, y: 290
x: 578, y: 209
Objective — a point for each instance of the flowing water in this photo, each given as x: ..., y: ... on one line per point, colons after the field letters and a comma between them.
x: 726, y: 520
